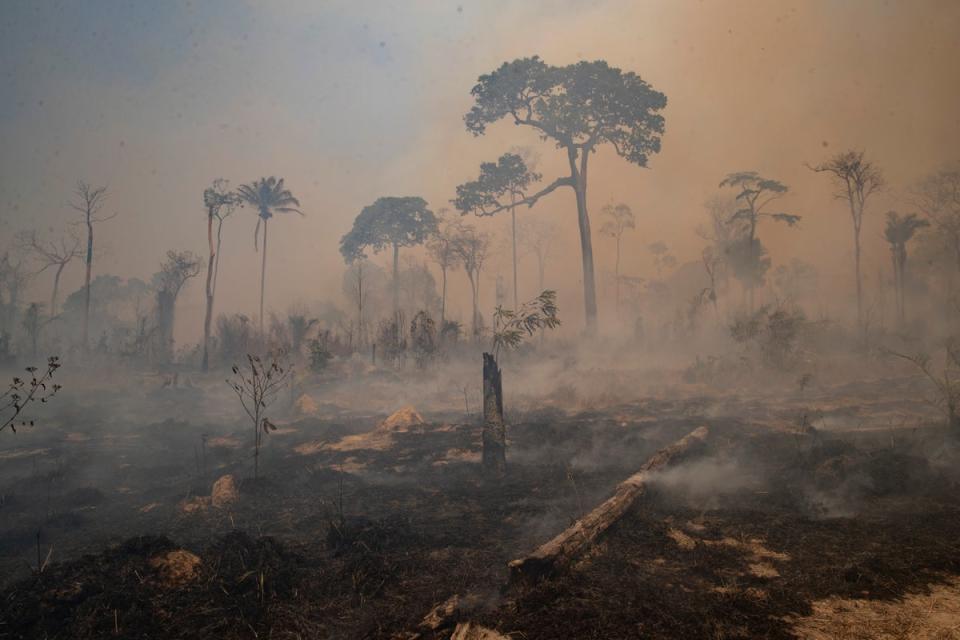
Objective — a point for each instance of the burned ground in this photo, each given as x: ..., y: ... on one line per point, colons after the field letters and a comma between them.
x: 357, y: 531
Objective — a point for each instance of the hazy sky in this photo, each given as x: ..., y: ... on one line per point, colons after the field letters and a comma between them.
x: 352, y: 100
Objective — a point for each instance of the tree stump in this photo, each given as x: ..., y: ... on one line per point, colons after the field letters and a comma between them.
x: 494, y: 428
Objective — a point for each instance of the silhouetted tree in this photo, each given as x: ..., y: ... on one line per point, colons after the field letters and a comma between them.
x: 938, y: 197
x: 661, y: 256
x: 88, y: 202
x: 442, y: 250
x: 267, y: 196
x: 898, y: 232
x: 362, y: 282
x: 179, y: 267
x: 219, y: 202
x: 500, y: 185
x: 856, y: 179
x: 52, y: 254
x: 579, y: 107
x: 754, y: 193
x: 538, y: 237
x: 389, y: 222
x: 473, y: 248
x: 617, y: 220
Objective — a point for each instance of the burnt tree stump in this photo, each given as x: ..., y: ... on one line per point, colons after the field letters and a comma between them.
x: 494, y: 428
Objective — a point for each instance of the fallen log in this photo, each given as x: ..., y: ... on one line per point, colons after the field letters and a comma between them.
x: 568, y: 545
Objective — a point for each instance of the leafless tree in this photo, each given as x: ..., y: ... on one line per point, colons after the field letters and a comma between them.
x: 442, y: 250
x: 88, y: 202
x: 52, y: 254
x: 856, y: 179
x: 539, y: 237
x: 473, y: 247
x: 618, y: 219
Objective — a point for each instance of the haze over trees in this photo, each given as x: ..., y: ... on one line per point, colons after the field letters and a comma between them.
x: 390, y: 222
x: 898, y: 232
x: 579, y: 107
x: 753, y: 193
x: 500, y: 186
x: 617, y: 220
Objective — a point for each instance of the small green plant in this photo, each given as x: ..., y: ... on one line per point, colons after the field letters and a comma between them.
x: 511, y: 327
x: 257, y: 386
x: 24, y: 391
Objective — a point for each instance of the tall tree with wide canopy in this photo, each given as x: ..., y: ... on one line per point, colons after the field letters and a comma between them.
x: 579, y: 107
x: 500, y: 185
x: 220, y: 202
x: 856, y: 179
x: 754, y: 193
x: 898, y: 232
x: 268, y: 196
x: 617, y: 220
x: 389, y: 222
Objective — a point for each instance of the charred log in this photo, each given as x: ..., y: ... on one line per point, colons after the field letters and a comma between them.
x: 567, y: 546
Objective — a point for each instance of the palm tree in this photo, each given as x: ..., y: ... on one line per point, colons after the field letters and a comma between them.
x: 267, y: 196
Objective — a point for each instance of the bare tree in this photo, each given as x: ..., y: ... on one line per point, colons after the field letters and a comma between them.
x: 538, y: 237
x: 617, y: 220
x: 442, y: 250
x: 52, y: 254
x: 473, y: 247
x: 856, y: 179
x: 88, y: 202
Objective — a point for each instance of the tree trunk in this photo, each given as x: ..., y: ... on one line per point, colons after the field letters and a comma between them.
x: 361, y: 336
x: 474, y: 304
x: 443, y: 298
x: 586, y: 250
x: 165, y: 320
x: 567, y: 546
x: 856, y: 257
x: 896, y: 283
x: 494, y: 428
x: 396, y: 281
x: 579, y: 179
x: 263, y: 273
x: 616, y: 278
x: 208, y: 316
x: 86, y: 295
x: 513, y: 223
x: 56, y: 289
